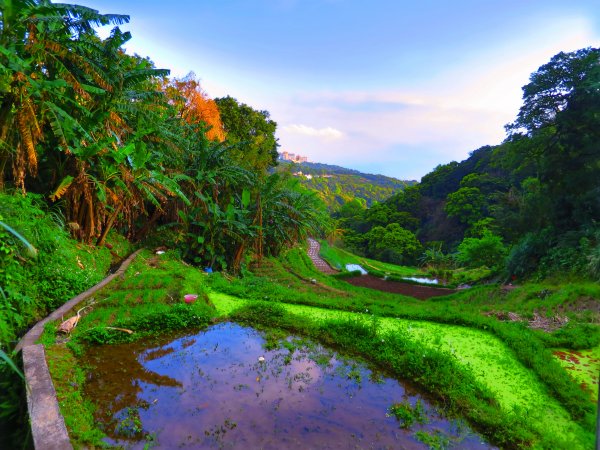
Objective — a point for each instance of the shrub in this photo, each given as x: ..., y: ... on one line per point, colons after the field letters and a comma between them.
x: 593, y: 265
x: 486, y: 251
x: 525, y: 256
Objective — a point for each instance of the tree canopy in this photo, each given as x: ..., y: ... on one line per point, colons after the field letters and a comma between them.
x: 251, y: 132
x: 543, y: 180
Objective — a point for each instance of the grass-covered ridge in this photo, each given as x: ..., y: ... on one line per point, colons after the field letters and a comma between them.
x: 463, y: 308
x: 494, y: 373
x: 339, y: 258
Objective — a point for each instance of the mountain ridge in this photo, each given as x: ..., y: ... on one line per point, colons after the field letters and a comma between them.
x: 337, y: 185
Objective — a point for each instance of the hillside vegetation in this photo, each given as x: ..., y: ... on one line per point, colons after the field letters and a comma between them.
x: 102, y: 152
x: 527, y: 207
x: 337, y: 185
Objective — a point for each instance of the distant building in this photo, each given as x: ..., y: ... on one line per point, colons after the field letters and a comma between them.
x: 287, y: 156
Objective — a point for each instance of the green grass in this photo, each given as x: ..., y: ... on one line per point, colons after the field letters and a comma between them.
x: 148, y: 300
x: 490, y: 362
x: 338, y: 259
x: 500, y: 375
x: 68, y: 378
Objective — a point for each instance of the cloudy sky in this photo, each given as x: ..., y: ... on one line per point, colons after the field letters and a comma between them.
x: 393, y: 87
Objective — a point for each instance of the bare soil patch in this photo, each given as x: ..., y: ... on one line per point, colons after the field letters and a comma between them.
x: 539, y: 321
x: 396, y: 287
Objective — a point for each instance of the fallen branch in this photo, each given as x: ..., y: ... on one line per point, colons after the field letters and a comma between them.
x: 125, y: 330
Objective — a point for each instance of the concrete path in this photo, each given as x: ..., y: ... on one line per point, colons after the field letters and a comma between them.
x: 313, y: 253
x: 48, y: 428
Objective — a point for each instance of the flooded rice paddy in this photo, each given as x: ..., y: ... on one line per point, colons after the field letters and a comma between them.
x: 220, y: 388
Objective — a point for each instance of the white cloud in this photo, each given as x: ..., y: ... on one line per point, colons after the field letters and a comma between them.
x: 406, y: 130
x: 327, y: 133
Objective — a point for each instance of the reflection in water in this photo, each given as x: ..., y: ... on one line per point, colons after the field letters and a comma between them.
x: 211, y: 390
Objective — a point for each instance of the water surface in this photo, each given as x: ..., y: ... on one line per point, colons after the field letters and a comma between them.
x: 211, y: 389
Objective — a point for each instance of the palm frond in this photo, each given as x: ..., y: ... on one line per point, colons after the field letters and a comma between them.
x: 62, y: 188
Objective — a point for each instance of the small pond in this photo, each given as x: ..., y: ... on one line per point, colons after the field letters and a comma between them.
x: 422, y: 280
x: 220, y: 388
x: 356, y: 268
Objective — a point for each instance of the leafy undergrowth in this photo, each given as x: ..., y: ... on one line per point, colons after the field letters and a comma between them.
x: 31, y: 287
x: 35, y: 282
x: 462, y: 276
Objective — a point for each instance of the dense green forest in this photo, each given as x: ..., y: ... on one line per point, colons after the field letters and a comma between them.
x: 530, y: 205
x: 337, y: 185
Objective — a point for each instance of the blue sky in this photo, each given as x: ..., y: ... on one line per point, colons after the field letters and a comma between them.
x: 391, y: 87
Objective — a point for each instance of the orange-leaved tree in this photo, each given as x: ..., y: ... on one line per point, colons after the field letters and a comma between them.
x: 194, y: 106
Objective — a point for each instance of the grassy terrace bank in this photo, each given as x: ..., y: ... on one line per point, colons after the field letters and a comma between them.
x: 339, y: 258
x: 498, y: 375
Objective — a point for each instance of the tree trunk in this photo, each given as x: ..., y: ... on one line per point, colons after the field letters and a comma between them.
x: 237, y: 260
x: 144, y: 230
x: 107, y: 227
x: 259, y: 243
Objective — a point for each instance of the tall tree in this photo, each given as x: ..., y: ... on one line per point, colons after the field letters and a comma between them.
x: 44, y: 73
x: 557, y: 133
x: 194, y: 106
x: 251, y: 132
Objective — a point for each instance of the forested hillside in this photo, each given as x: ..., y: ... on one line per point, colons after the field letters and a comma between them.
x: 528, y: 205
x: 337, y: 185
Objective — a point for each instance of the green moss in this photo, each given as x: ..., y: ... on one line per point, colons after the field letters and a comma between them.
x: 68, y: 379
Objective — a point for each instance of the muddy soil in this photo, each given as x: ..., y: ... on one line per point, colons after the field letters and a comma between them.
x: 396, y: 287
